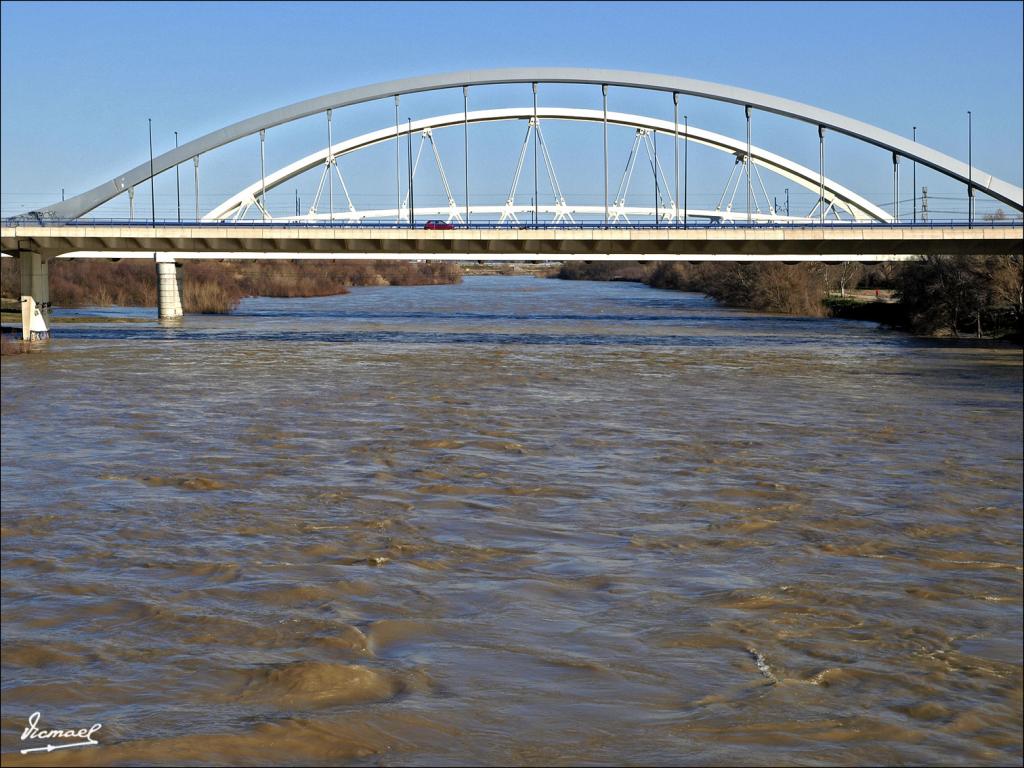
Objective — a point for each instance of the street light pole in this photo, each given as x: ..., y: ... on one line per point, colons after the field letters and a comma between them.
x: 913, y: 179
x: 152, y: 192
x: 177, y: 178
x: 970, y: 173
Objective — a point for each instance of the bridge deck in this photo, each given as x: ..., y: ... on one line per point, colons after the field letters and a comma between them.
x: 289, y: 241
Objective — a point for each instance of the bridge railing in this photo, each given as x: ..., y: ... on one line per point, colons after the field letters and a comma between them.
x: 507, y: 225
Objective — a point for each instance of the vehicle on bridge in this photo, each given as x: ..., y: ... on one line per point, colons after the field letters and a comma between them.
x: 438, y: 224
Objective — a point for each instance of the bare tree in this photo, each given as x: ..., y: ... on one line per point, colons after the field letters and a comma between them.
x: 955, y: 294
x: 850, y: 273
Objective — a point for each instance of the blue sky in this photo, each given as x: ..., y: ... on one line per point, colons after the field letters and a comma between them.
x: 79, y: 81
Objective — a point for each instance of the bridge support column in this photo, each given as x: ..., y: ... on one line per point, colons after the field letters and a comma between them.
x: 168, y: 287
x: 35, y: 296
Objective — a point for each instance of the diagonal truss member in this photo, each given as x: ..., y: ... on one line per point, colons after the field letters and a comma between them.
x: 561, y: 209
x: 427, y: 135
x: 332, y: 160
x: 737, y: 177
x: 642, y: 137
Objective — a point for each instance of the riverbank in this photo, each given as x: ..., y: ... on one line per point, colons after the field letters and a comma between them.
x: 509, y: 268
x: 216, y: 287
x: 981, y: 297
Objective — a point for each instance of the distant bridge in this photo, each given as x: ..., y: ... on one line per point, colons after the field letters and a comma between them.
x: 745, y: 223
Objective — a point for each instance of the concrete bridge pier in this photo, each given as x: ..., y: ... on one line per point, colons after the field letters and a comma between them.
x: 169, y: 291
x: 35, y: 295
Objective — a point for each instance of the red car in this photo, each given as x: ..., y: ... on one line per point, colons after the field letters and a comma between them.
x: 438, y: 224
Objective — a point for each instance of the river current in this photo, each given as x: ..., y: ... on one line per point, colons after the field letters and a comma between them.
x: 514, y: 521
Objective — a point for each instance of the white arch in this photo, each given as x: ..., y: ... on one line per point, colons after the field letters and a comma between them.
x: 858, y: 207
x: 1000, y: 190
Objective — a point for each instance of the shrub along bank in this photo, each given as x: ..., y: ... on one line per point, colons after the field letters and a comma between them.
x: 218, y: 286
x: 954, y: 295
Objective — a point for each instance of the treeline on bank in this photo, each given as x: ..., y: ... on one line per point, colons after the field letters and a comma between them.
x: 218, y: 286
x: 934, y: 295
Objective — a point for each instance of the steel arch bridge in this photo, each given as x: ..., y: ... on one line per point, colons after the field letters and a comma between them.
x: 835, y: 203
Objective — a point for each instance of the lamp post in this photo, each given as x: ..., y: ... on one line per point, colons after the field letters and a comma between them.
x: 913, y: 179
x: 970, y: 173
x: 152, y: 193
x: 177, y: 179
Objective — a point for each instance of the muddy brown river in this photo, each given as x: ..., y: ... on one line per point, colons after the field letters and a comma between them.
x: 512, y: 521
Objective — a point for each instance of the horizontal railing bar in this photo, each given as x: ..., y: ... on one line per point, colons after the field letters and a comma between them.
x: 490, y: 225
